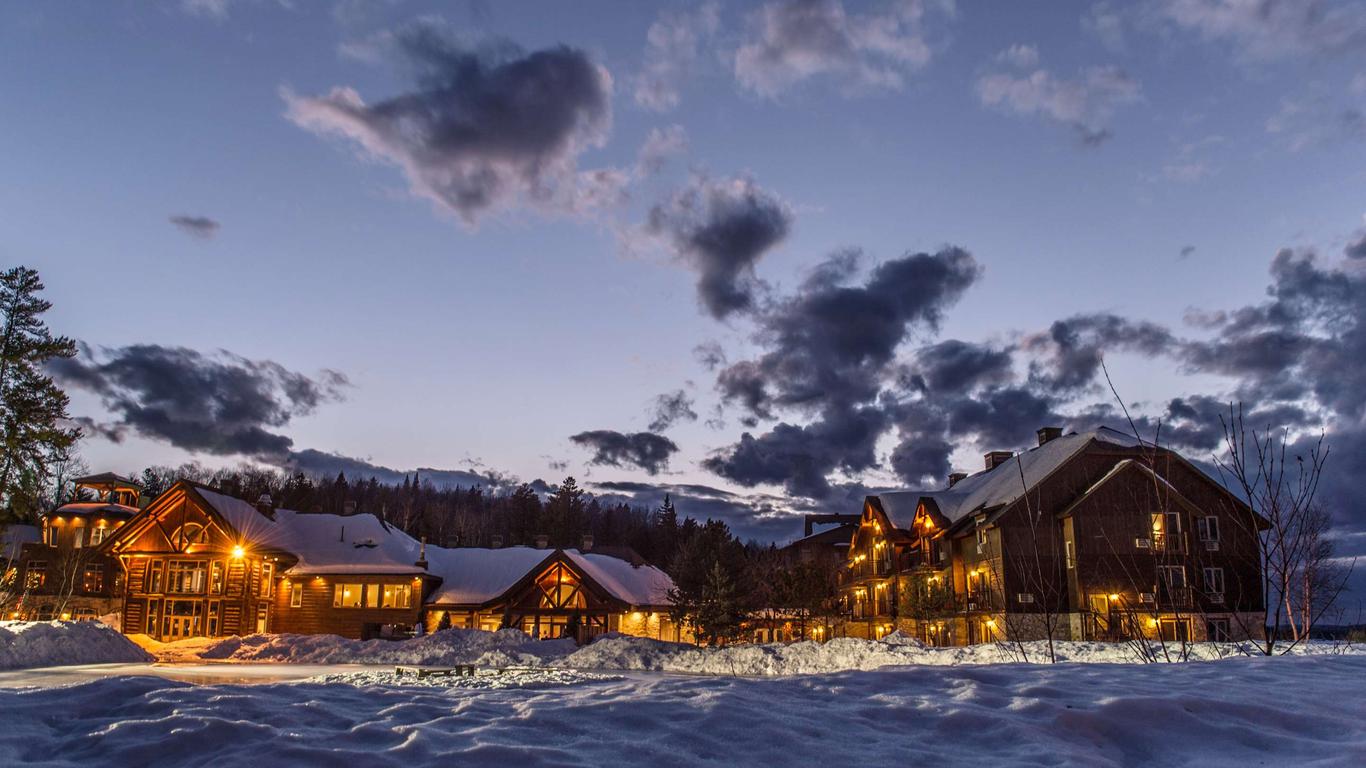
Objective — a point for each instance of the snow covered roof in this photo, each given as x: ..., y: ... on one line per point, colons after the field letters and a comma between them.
x: 324, y: 544
x: 96, y: 508
x: 472, y: 576
x: 1000, y: 485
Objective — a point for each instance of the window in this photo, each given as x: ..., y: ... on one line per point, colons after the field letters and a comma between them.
x: 348, y: 596
x: 190, y: 533
x: 296, y: 595
x: 216, y: 577
x: 36, y: 574
x: 1174, y: 630
x: 1166, y: 531
x: 186, y: 577
x: 1071, y: 552
x: 981, y: 540
x: 560, y: 588
x: 92, y: 580
x: 1216, y: 630
x: 1214, y: 581
x: 50, y: 535
x: 397, y: 596
x: 154, y: 578
x: 1024, y: 597
x: 1209, y: 528
x: 97, y: 535
x: 152, y: 606
x: 1173, y: 576
x: 372, y: 595
x: 78, y: 536
x: 214, y: 610
x: 267, y: 579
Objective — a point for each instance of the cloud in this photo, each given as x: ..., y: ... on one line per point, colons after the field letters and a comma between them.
x: 1356, y: 249
x: 316, y: 463
x: 1086, y: 103
x: 828, y: 349
x: 673, y: 44
x: 1187, y: 251
x: 1316, y: 119
x: 659, y: 146
x: 792, y: 41
x: 645, y: 450
x: 671, y: 407
x: 202, y: 227
x: 710, y: 355
x: 955, y: 365
x: 750, y: 516
x: 721, y: 228
x: 482, y: 130
x: 1068, y: 355
x: 1270, y: 29
x: 220, y: 404
x: 1105, y: 23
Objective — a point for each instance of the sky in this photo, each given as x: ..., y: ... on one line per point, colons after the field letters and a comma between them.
x: 762, y: 256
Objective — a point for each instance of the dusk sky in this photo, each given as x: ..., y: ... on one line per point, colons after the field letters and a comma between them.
x: 764, y: 256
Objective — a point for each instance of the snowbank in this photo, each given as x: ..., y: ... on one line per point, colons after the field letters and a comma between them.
x: 26, y: 644
x: 518, y: 678
x: 1251, y: 712
x: 451, y: 646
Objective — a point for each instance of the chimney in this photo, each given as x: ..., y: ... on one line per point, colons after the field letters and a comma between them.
x: 956, y: 477
x: 496, y: 541
x: 587, y: 542
x: 265, y: 505
x: 1049, y: 433
x: 997, y: 458
x: 422, y: 555
x: 348, y: 507
x: 542, y: 541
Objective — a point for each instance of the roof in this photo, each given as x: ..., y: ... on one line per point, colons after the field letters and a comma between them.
x: 363, y: 544
x: 323, y: 544
x: 107, y: 478
x: 839, y: 535
x: 95, y: 508
x: 475, y: 576
x: 1001, y: 485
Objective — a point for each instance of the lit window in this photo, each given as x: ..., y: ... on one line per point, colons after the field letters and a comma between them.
x: 78, y: 537
x: 93, y: 578
x: 296, y: 595
x: 348, y: 596
x: 267, y: 579
x: 397, y: 596
x: 36, y: 574
x: 216, y: 577
x: 97, y: 536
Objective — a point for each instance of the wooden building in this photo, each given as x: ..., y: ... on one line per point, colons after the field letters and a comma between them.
x: 66, y: 575
x: 199, y: 563
x: 1086, y: 536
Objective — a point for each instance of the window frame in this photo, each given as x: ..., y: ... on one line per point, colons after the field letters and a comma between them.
x: 339, y: 589
x: 296, y: 594
x: 1216, y: 571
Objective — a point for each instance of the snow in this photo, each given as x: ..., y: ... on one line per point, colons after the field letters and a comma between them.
x: 13, y: 538
x: 473, y: 576
x: 517, y: 678
x: 1280, y: 711
x: 639, y: 585
x: 26, y: 644
x: 1000, y: 485
x: 447, y: 647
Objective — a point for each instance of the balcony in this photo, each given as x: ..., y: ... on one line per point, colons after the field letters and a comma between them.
x: 1174, y: 543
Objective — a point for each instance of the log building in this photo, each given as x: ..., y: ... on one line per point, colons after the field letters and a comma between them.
x: 199, y: 563
x: 1091, y: 536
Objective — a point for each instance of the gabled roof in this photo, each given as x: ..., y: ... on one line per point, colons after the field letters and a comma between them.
x: 95, y: 508
x: 837, y: 535
x: 474, y: 576
x: 107, y: 478
x: 1000, y: 486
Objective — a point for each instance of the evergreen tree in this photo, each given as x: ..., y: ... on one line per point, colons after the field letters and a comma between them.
x: 720, y: 612
x: 32, y: 406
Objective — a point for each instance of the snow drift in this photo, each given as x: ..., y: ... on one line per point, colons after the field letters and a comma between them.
x: 508, y: 647
x: 27, y: 644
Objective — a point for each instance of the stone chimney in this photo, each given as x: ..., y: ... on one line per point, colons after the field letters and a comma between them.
x: 348, y: 507
x: 496, y: 541
x: 1049, y: 433
x: 265, y: 505
x: 422, y: 555
x: 587, y: 542
x: 542, y: 541
x: 956, y: 477
x: 997, y: 458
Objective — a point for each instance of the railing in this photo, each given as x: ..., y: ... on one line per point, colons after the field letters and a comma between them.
x: 1163, y: 542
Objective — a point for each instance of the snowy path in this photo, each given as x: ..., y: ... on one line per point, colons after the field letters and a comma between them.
x: 1290, y: 711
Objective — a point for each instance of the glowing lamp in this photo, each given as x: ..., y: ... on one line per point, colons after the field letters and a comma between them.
x: 1114, y: 598
x: 238, y: 552
x: 991, y: 623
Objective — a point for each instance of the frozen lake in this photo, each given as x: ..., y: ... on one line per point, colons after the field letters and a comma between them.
x: 198, y: 673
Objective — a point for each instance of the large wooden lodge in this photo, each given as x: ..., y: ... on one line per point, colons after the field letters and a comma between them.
x: 199, y: 563
x: 1090, y: 536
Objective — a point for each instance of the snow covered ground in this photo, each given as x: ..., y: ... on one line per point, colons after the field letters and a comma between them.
x: 26, y: 644
x: 1242, y: 712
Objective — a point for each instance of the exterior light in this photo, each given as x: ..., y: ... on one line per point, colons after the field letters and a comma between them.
x: 991, y: 623
x: 1152, y: 622
x: 238, y: 552
x: 1114, y: 598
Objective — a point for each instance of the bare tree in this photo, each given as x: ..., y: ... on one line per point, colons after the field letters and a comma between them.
x: 1301, y: 580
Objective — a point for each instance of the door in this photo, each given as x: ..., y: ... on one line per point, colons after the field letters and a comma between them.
x: 262, y: 614
x: 1100, y: 615
x: 183, y: 619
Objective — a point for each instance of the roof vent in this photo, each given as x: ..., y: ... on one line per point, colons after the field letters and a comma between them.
x: 997, y: 458
x: 587, y: 542
x: 956, y: 477
x: 542, y: 541
x: 265, y: 505
x: 1049, y: 433
x: 349, y: 507
x: 496, y: 541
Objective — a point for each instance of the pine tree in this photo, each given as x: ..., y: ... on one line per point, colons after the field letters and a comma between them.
x: 32, y: 406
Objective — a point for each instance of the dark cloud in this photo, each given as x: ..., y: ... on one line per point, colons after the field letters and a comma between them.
x: 202, y: 227
x: 645, y: 450
x: 221, y: 404
x: 1356, y: 249
x: 954, y: 366
x: 671, y: 407
x: 1069, y: 354
x: 721, y: 228
x: 710, y: 355
x: 1187, y: 251
x: 793, y: 40
x: 482, y: 128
